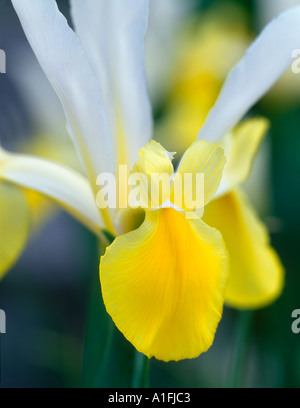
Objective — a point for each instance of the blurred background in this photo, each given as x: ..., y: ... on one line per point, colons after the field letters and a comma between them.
x: 190, y: 46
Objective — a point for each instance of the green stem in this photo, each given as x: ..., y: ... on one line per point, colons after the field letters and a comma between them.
x: 109, y: 360
x: 107, y: 349
x: 141, y: 371
x: 99, y: 334
x: 236, y: 377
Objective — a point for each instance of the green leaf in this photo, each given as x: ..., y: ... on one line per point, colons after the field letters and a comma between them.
x: 108, y: 356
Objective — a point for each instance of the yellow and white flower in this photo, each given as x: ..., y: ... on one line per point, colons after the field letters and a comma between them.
x: 164, y: 282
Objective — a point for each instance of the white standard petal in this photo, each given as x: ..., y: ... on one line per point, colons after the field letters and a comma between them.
x: 112, y: 33
x: 62, y: 57
x: 263, y: 64
x: 68, y: 188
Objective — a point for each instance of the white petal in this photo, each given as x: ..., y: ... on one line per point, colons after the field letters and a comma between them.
x: 65, y: 186
x: 112, y: 33
x: 62, y: 57
x: 265, y: 61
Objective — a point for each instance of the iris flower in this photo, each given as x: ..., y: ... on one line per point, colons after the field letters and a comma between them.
x: 164, y: 282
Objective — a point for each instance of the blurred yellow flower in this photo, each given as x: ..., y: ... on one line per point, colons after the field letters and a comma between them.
x: 208, y: 47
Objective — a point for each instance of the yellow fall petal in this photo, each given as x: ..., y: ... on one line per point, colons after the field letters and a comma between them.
x: 201, y: 158
x: 14, y: 224
x: 240, y: 148
x: 256, y: 273
x: 163, y: 284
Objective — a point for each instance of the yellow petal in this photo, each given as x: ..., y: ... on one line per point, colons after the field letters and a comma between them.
x: 154, y: 159
x: 163, y: 285
x: 155, y: 165
x: 14, y: 224
x: 256, y: 273
x: 201, y: 158
x: 240, y: 147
